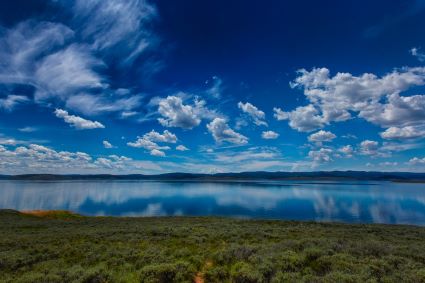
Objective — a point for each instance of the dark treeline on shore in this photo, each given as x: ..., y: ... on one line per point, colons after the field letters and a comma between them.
x: 261, y: 175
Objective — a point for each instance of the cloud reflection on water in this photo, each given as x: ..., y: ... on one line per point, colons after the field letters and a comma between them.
x: 354, y: 202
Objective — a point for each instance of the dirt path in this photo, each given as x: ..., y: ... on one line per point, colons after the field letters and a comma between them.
x: 199, y: 277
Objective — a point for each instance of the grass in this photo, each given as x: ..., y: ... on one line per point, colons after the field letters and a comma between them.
x: 64, y: 247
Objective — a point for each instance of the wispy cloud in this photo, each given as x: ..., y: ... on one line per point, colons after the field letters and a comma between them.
x: 419, y: 55
x: 78, y: 122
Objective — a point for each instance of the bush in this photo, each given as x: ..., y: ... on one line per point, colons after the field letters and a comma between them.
x: 167, y: 273
x: 281, y: 277
x: 216, y: 274
x: 243, y: 272
x: 97, y: 276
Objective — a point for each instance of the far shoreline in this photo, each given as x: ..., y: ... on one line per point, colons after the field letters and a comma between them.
x: 336, y: 176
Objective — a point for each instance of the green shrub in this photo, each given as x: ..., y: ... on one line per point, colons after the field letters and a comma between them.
x: 216, y: 274
x: 242, y: 272
x: 282, y: 277
x: 167, y: 273
x: 97, y: 275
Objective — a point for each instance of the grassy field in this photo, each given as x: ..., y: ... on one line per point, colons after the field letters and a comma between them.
x: 61, y: 247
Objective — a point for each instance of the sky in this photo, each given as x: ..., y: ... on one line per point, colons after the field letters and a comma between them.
x: 132, y: 86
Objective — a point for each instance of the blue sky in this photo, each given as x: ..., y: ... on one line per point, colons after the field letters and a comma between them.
x: 211, y: 86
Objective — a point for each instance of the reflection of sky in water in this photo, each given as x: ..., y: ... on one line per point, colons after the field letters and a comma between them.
x: 381, y: 202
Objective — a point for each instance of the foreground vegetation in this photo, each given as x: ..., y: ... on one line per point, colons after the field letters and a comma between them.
x: 61, y: 247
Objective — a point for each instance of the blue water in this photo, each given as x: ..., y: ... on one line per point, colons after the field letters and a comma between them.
x: 352, y: 202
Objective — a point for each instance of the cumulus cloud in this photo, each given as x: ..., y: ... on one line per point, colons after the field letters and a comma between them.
x: 176, y: 114
x: 417, y: 161
x: 8, y: 141
x: 321, y: 136
x: 254, y: 113
x: 375, y: 99
x: 166, y: 136
x: 408, y: 132
x: 36, y: 158
x: 303, y: 118
x: 347, y: 150
x: 369, y: 147
x: 269, y: 135
x: 156, y: 152
x: 107, y: 144
x: 149, y: 141
x: 221, y: 132
x: 322, y: 155
x: 77, y: 122
x: 181, y: 148
x: 398, y: 111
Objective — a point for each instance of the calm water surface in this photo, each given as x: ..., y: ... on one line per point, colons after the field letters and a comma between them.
x: 360, y: 202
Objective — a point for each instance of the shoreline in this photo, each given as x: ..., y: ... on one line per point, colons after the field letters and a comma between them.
x: 68, y: 214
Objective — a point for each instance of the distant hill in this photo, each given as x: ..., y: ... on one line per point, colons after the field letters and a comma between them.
x: 260, y: 175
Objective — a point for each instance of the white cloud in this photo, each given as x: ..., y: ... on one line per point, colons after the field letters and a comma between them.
x: 166, y: 136
x: 78, y: 122
x: 417, y: 161
x: 107, y: 144
x: 28, y: 129
x: 90, y: 104
x: 252, y: 111
x: 8, y: 141
x: 221, y: 132
x: 66, y: 72
x: 22, y: 45
x: 408, y: 132
x: 36, y: 158
x: 347, y: 150
x: 149, y: 142
x: 269, y: 135
x: 181, y: 148
x: 156, y: 152
x: 369, y: 147
x: 419, y: 55
x: 11, y: 101
x: 303, y: 118
x: 176, y: 114
x: 388, y: 164
x: 216, y: 88
x: 250, y: 159
x: 119, y: 24
x: 322, y: 155
x: 253, y: 153
x: 376, y: 99
x: 321, y: 136
x: 45, y: 55
x: 397, y: 112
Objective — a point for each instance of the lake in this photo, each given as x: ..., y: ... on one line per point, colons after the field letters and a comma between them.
x: 350, y: 201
